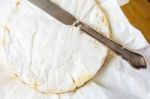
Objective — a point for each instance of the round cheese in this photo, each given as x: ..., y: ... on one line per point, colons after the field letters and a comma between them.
x: 48, y: 55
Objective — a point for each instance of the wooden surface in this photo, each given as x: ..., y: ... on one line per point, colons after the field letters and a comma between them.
x: 138, y: 13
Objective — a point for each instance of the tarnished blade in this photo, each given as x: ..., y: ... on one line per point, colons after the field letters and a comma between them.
x: 55, y: 11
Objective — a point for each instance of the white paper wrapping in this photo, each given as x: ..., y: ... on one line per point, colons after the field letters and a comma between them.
x: 115, y: 80
x: 120, y: 2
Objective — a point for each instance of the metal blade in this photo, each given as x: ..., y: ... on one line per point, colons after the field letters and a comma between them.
x: 55, y: 11
x: 135, y: 59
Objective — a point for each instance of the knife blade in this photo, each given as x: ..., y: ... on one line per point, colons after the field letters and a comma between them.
x: 136, y: 60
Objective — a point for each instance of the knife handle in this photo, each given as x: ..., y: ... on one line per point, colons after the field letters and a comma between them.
x: 136, y: 60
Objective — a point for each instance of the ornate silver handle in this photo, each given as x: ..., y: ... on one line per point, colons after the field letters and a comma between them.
x: 136, y: 60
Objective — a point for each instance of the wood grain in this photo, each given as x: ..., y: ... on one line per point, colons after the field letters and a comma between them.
x: 138, y: 13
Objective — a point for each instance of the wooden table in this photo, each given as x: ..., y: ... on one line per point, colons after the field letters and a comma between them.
x: 138, y: 13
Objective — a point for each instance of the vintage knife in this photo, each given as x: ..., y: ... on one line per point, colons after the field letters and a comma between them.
x: 136, y: 60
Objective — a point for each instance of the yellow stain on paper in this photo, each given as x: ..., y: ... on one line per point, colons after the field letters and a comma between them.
x: 18, y: 2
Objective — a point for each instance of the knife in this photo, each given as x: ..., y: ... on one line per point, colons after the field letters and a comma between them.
x: 136, y: 60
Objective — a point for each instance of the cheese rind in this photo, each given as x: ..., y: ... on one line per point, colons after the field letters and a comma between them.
x: 49, y: 56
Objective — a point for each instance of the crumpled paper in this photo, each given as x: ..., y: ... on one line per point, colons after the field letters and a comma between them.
x: 117, y: 76
x: 122, y: 2
x: 115, y: 80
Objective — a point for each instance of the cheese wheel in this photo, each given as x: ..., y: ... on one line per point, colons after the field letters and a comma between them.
x: 48, y: 55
